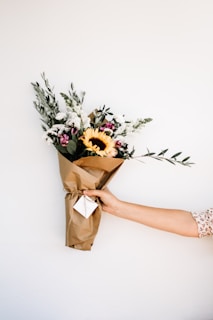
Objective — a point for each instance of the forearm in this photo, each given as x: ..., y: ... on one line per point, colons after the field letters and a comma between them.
x: 171, y: 220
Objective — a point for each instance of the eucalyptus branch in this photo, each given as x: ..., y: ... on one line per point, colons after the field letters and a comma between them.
x: 73, y: 98
x: 45, y: 102
x: 174, y: 159
x: 76, y: 134
x: 141, y: 122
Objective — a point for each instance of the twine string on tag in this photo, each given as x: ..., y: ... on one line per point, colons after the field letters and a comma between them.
x: 85, y: 205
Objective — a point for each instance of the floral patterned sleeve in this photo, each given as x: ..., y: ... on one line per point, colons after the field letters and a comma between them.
x: 204, y: 221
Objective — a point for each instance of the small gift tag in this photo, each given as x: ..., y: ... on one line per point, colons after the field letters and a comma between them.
x: 85, y: 206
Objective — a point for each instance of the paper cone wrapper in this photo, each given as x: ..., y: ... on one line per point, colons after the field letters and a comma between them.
x: 79, y: 175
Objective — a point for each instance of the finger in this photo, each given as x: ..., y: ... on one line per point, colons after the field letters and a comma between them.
x: 96, y: 193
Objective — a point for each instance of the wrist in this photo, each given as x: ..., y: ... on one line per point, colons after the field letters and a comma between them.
x: 118, y: 208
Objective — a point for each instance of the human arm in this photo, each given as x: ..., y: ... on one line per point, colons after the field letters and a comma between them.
x: 172, y: 220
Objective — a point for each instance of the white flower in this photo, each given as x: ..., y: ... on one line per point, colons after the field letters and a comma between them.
x: 59, y: 126
x: 120, y: 130
x: 47, y: 138
x: 60, y: 115
x: 129, y: 128
x: 73, y: 120
x: 56, y: 129
x: 85, y: 120
x: 49, y: 141
x: 119, y: 118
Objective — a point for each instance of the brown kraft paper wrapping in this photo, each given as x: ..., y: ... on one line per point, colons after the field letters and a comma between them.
x: 86, y: 173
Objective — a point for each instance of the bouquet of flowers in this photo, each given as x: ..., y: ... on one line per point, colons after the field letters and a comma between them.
x: 91, y: 148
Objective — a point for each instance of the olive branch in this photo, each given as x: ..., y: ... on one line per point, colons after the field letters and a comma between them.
x: 174, y: 159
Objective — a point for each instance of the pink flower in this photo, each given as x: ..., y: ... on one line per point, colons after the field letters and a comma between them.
x: 118, y: 144
x: 107, y: 125
x: 64, y: 139
x: 74, y: 131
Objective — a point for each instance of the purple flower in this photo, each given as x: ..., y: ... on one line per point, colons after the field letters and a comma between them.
x: 74, y: 131
x: 64, y: 139
x: 107, y: 125
x: 118, y: 144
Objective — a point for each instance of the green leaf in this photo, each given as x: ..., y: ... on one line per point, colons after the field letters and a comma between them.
x: 60, y: 148
x: 176, y: 155
x: 74, y: 138
x: 71, y: 147
x: 149, y: 154
x: 163, y: 152
x: 187, y: 158
x: 169, y: 160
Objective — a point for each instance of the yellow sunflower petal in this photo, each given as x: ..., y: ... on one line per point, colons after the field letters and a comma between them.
x: 98, y: 142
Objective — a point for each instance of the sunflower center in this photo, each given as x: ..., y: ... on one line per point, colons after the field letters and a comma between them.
x: 98, y: 143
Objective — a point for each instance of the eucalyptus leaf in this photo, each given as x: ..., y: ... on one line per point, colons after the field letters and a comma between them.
x: 163, y: 152
x: 187, y: 158
x: 61, y: 149
x: 74, y: 138
x: 71, y: 147
x: 48, y: 108
x: 176, y: 155
x: 170, y: 161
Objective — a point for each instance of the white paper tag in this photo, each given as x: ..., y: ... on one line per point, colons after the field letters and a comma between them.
x: 85, y: 206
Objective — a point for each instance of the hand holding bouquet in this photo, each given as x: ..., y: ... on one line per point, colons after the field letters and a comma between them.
x: 91, y: 148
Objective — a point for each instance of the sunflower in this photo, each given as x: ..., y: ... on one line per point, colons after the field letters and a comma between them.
x: 98, y: 142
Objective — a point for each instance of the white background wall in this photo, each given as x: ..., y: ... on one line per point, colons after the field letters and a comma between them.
x: 141, y: 58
